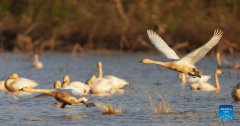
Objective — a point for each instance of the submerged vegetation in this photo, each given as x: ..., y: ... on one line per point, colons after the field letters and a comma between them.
x: 83, y: 25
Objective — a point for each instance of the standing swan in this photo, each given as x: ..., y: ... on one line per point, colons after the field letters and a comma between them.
x: 66, y: 96
x: 14, y: 83
x: 206, y: 86
x: 37, y: 63
x: 99, y: 85
x: 186, y: 64
x: 236, y: 92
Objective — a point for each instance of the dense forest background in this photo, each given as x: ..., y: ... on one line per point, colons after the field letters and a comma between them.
x: 117, y: 25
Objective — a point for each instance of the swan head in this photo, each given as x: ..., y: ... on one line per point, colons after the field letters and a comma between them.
x: 146, y: 60
x: 57, y: 84
x: 66, y: 80
x: 13, y: 76
x: 218, y: 71
x: 99, y: 64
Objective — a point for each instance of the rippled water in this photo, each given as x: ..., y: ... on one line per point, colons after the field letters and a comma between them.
x: 189, y: 107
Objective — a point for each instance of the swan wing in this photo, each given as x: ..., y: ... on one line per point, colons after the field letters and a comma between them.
x: 23, y: 82
x: 199, y: 53
x: 161, y: 45
x: 71, y: 91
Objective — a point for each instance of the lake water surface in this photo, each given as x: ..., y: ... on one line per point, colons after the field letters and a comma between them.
x: 189, y: 107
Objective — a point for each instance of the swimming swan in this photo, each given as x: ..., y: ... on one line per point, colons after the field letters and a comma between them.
x: 81, y: 87
x: 236, y: 92
x: 186, y: 64
x: 117, y: 83
x: 37, y: 63
x: 206, y: 86
x: 14, y: 83
x: 105, y: 85
x: 66, y: 95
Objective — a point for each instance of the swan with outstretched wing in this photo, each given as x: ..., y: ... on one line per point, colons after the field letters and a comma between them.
x: 186, y: 64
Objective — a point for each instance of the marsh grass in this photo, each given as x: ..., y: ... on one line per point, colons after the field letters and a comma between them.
x: 160, y: 107
x: 83, y: 25
x: 108, y: 109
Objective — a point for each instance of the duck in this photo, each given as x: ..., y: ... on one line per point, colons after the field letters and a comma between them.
x: 37, y: 63
x: 81, y: 87
x: 204, y: 86
x: 14, y: 83
x: 65, y: 96
x: 236, y: 92
x: 184, y: 65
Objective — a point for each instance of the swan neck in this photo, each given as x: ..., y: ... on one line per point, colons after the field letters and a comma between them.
x: 218, y: 57
x: 46, y: 91
x: 165, y: 64
x: 217, y: 85
x: 8, y: 84
x: 100, y: 70
x: 36, y: 58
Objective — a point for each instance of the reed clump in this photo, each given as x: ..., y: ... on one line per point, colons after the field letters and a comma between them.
x: 160, y: 107
x: 108, y: 109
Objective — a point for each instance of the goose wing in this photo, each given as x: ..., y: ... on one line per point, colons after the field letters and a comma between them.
x: 161, y: 45
x: 199, y: 53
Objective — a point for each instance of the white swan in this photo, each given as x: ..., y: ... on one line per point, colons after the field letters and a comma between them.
x: 66, y: 95
x: 107, y: 84
x: 236, y: 92
x: 37, y: 63
x: 186, y: 64
x: 206, y: 86
x: 117, y: 83
x: 14, y: 83
x: 81, y: 87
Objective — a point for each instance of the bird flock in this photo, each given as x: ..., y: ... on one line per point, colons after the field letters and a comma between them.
x: 70, y: 92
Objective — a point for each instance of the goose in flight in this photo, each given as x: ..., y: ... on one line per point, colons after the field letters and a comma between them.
x: 204, y: 86
x: 236, y: 92
x: 37, y: 63
x: 184, y: 65
x: 14, y: 83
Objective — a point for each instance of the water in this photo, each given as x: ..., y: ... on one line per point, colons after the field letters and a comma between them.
x: 189, y: 107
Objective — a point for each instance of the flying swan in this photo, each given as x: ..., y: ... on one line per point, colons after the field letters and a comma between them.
x: 186, y: 64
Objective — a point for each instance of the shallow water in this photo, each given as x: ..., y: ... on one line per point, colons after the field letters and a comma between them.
x: 189, y: 107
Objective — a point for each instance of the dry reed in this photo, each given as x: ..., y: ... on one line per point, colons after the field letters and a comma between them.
x: 108, y: 109
x: 162, y: 107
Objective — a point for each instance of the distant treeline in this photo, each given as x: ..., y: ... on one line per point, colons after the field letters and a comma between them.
x: 83, y: 25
